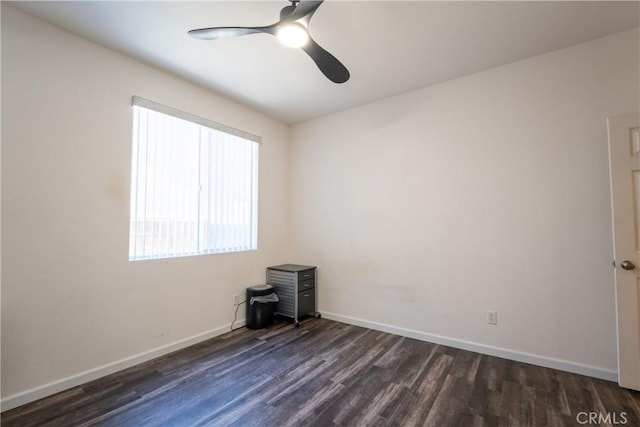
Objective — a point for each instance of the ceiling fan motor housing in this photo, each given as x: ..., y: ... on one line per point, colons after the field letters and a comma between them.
x: 286, y: 12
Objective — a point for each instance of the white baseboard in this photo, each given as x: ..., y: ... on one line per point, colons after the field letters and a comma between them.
x: 519, y: 356
x: 53, y: 387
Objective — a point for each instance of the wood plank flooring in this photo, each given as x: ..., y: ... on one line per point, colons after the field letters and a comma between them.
x: 327, y: 373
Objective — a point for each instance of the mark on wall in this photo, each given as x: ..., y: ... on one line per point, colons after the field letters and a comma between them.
x: 116, y: 190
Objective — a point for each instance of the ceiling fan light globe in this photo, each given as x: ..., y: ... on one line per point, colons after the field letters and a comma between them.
x: 293, y: 35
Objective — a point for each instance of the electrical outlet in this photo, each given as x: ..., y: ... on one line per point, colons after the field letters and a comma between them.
x: 236, y: 299
x: 492, y: 317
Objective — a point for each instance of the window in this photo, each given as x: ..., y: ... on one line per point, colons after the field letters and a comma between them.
x: 194, y: 185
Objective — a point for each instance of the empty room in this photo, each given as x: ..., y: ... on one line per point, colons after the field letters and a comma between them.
x: 308, y: 213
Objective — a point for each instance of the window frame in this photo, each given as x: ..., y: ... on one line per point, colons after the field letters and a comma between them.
x: 199, y: 248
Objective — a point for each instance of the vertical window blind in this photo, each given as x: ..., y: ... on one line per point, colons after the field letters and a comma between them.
x: 194, y: 185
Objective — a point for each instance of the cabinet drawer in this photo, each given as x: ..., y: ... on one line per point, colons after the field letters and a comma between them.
x: 306, y: 302
x: 307, y: 284
x: 307, y: 275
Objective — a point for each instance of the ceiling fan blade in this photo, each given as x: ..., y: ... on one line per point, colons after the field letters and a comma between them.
x: 226, y: 32
x: 327, y: 63
x: 304, y: 9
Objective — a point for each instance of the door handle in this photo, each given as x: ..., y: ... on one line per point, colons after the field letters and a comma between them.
x: 627, y: 265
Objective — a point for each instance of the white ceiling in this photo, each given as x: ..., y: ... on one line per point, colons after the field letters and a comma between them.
x: 389, y: 47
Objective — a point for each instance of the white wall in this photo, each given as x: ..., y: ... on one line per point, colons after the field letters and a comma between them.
x: 489, y: 192
x: 71, y: 301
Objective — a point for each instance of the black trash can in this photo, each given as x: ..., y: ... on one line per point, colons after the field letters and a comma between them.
x: 261, y: 303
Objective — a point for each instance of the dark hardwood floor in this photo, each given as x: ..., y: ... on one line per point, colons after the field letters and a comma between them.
x: 327, y: 373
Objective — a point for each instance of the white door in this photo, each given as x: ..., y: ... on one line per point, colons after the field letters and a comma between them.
x: 624, y: 159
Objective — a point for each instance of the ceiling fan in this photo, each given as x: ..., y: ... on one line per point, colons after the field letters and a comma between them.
x: 292, y: 30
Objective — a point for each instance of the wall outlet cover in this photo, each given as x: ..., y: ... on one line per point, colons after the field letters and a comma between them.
x: 492, y: 317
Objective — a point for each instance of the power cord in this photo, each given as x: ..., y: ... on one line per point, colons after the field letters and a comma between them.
x: 235, y: 315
